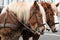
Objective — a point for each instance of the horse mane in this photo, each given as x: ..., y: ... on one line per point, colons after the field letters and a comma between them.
x: 43, y: 13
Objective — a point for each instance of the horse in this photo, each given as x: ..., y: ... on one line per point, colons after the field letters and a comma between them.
x: 29, y: 15
x: 51, y: 15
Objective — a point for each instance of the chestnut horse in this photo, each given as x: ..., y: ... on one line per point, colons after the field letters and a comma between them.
x: 51, y: 15
x: 29, y: 14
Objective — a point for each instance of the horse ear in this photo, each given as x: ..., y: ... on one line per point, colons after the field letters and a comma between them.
x: 35, y: 3
x: 57, y: 4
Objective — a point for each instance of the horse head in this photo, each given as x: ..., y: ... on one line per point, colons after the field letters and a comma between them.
x: 50, y: 15
x: 36, y: 20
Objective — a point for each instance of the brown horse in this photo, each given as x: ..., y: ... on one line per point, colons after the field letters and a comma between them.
x: 50, y: 15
